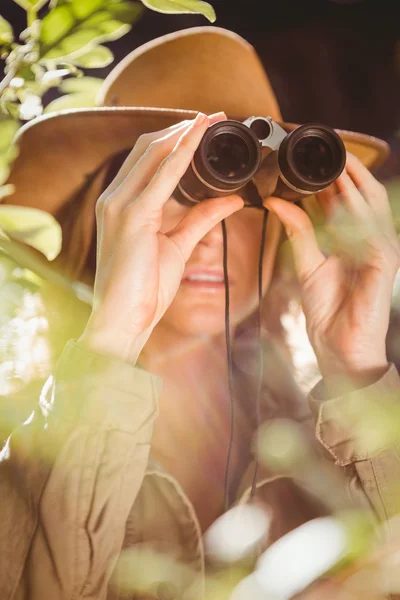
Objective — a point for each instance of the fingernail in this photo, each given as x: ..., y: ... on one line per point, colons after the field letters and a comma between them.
x: 218, y: 114
x: 288, y: 231
x: 199, y: 120
x: 267, y: 205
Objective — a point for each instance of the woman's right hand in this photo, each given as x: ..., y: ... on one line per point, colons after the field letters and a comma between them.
x: 139, y: 269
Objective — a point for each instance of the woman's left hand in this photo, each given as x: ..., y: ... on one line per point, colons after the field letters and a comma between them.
x: 346, y: 295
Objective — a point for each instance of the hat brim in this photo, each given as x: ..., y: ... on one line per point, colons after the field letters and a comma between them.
x: 57, y: 152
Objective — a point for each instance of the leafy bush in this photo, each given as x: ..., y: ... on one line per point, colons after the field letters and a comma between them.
x: 62, y: 38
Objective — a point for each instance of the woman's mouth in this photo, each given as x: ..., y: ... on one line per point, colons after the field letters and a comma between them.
x: 204, y: 280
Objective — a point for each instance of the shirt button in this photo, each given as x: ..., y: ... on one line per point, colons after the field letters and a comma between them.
x: 166, y: 591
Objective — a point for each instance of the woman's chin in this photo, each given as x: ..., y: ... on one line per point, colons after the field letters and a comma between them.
x: 202, y: 319
x: 197, y: 325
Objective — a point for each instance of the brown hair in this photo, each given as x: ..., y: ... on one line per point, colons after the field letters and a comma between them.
x: 77, y: 220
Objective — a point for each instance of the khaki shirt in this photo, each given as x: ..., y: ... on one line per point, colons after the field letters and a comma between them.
x: 86, y: 513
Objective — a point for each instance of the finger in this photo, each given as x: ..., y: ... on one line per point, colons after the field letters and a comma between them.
x: 140, y: 175
x: 375, y: 225
x: 374, y: 192
x: 306, y: 252
x: 144, y: 170
x: 215, y: 117
x: 352, y: 198
x: 139, y: 149
x: 313, y: 208
x: 329, y: 200
x: 134, y: 170
x: 174, y: 166
x: 158, y: 148
x: 203, y: 217
x: 145, y: 141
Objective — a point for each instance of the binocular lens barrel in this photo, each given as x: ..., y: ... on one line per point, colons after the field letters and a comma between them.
x: 313, y: 158
x: 228, y: 155
x: 309, y: 159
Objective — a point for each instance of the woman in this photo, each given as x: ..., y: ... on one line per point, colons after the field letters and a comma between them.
x: 84, y: 508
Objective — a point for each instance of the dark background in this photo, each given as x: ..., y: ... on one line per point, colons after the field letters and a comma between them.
x: 333, y: 61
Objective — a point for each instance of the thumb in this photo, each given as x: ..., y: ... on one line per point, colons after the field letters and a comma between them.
x: 201, y: 219
x: 300, y: 231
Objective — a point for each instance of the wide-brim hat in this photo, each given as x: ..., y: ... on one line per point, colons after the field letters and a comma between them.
x: 165, y: 81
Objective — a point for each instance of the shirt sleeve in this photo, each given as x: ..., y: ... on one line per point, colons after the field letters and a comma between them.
x: 360, y: 431
x: 69, y: 477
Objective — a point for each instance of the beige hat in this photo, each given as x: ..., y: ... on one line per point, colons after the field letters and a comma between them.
x: 165, y: 81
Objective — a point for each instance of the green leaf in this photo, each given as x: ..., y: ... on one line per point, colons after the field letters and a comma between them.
x: 99, y: 17
x: 112, y: 30
x: 182, y: 6
x: 95, y: 59
x: 127, y: 12
x: 4, y: 173
x: 30, y: 5
x: 74, y: 43
x: 6, y: 32
x: 75, y: 28
x: 8, y: 129
x: 12, y: 152
x: 56, y: 25
x: 74, y: 85
x: 6, y: 190
x: 32, y: 226
x: 78, y: 100
x: 8, y: 150
x: 83, y: 40
x: 84, y: 8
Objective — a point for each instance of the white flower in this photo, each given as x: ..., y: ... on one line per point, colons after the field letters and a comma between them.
x: 31, y: 108
x: 54, y: 77
x: 17, y: 83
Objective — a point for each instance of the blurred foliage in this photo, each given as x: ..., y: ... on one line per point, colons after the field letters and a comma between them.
x: 179, y: 7
x: 39, y: 313
x: 67, y: 38
x: 32, y: 226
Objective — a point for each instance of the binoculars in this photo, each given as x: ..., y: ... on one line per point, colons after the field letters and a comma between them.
x: 257, y: 158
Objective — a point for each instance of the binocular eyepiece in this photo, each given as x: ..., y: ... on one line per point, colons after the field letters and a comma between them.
x: 289, y: 165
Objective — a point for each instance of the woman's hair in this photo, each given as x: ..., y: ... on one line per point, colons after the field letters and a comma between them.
x: 78, y: 253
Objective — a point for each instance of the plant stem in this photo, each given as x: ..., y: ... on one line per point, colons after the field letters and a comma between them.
x: 4, y: 83
x: 31, y: 260
x: 31, y: 17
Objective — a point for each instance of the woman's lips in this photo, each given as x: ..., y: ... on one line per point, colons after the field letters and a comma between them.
x: 207, y: 280
x: 204, y: 285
